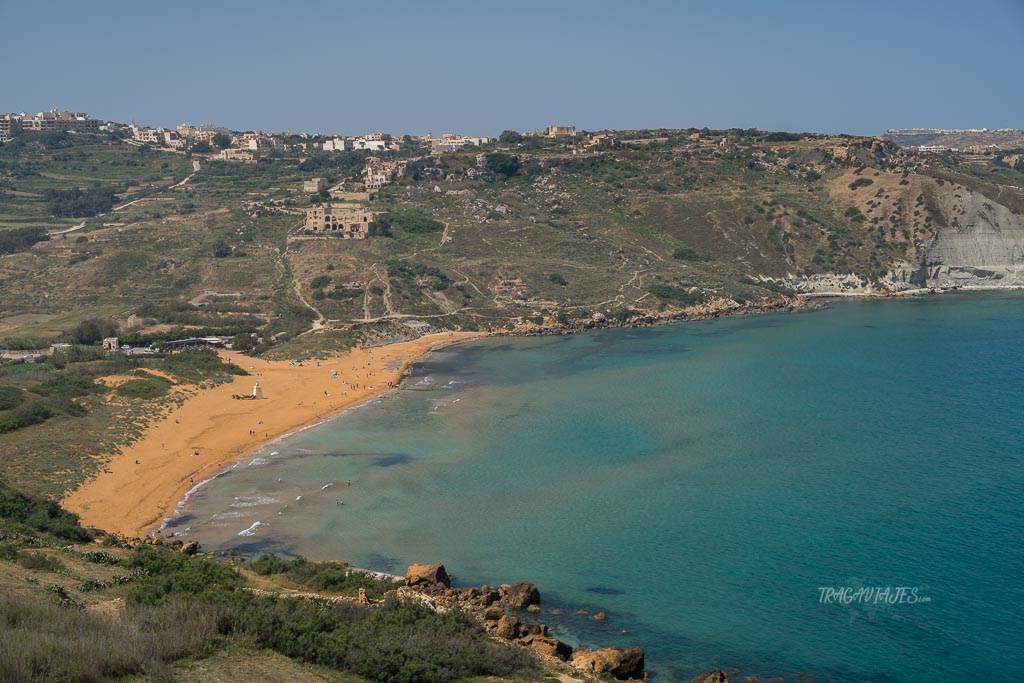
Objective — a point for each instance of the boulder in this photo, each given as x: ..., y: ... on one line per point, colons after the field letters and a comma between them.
x: 520, y: 595
x: 533, y: 609
x: 427, y: 576
x: 493, y: 613
x: 713, y: 676
x: 190, y: 548
x: 508, y: 628
x: 551, y: 647
x: 489, y: 596
x: 621, y: 662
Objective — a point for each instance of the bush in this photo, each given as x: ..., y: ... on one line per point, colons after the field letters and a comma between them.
x: 93, y: 330
x: 40, y: 562
x: 861, y: 182
x: 687, y: 254
x: 20, y: 239
x: 11, y: 397
x: 80, y: 203
x: 40, y: 514
x: 320, y: 575
x: 503, y: 164
x: 558, y: 279
x: 170, y: 576
x: 676, y: 294
x: 25, y: 416
x: 415, y: 222
x: 320, y: 281
x: 145, y: 389
x: 399, y: 642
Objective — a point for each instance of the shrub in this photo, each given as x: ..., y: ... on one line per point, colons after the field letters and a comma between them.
x: 415, y: 222
x: 25, y: 416
x: 558, y: 279
x: 78, y: 203
x: 320, y: 575
x: 503, y: 164
x: 40, y: 562
x: 11, y: 397
x: 861, y: 182
x: 169, y: 576
x: 40, y: 514
x: 676, y: 294
x: 146, y: 389
x: 320, y: 281
x: 20, y: 239
x: 687, y: 254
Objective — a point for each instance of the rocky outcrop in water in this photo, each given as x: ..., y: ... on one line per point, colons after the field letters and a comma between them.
x: 427, y: 576
x: 624, y: 663
x: 520, y: 595
x: 713, y: 676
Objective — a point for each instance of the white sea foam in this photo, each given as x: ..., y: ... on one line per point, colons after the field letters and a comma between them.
x: 251, y: 531
x: 253, y: 501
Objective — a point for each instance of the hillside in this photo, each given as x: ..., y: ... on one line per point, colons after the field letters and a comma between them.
x: 626, y: 227
x: 661, y: 221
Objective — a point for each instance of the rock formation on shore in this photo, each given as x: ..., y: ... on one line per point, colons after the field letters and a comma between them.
x: 501, y: 611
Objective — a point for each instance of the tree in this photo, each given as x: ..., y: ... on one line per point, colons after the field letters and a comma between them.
x: 222, y: 140
x: 93, y: 330
x: 510, y: 137
x: 242, y: 342
x: 202, y: 147
x: 503, y: 164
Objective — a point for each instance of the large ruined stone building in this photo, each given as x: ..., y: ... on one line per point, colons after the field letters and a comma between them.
x: 348, y: 222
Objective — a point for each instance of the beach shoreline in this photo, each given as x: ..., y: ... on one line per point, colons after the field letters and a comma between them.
x: 140, y: 487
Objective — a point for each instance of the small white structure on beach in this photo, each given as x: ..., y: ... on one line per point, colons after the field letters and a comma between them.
x: 257, y: 391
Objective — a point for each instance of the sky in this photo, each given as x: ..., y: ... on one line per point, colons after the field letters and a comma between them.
x: 480, y: 67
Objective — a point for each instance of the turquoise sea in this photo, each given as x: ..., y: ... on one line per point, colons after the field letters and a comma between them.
x: 703, y: 484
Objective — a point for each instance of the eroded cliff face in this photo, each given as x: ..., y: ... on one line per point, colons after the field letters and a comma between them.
x: 962, y: 239
x: 981, y: 246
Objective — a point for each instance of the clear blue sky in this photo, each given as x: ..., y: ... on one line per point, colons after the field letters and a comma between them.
x: 857, y: 66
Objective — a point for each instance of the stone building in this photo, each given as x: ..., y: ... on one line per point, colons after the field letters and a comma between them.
x: 348, y: 222
x: 314, y: 185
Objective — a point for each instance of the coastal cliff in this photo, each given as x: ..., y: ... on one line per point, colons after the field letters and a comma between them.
x: 952, y: 238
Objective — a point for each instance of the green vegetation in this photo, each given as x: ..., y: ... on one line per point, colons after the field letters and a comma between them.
x: 503, y: 164
x: 47, y: 642
x: 677, y: 295
x: 20, y: 239
x: 320, y: 575
x: 861, y: 182
x: 687, y: 254
x: 415, y: 222
x: 76, y: 202
x: 146, y: 389
x: 179, y: 610
x: 34, y: 513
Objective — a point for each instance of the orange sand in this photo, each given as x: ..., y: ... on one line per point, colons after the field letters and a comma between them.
x: 133, y: 499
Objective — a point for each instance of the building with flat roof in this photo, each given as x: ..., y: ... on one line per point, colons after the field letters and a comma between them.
x: 314, y: 185
x: 10, y: 125
x: 348, y: 222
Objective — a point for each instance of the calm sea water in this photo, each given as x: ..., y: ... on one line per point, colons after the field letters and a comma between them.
x: 699, y: 483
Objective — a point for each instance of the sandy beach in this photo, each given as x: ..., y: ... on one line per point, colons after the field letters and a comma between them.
x: 140, y: 486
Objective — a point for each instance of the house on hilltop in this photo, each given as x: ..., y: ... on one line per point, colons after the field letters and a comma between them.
x: 347, y: 222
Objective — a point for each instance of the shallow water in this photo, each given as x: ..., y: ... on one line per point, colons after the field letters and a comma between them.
x: 699, y: 483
